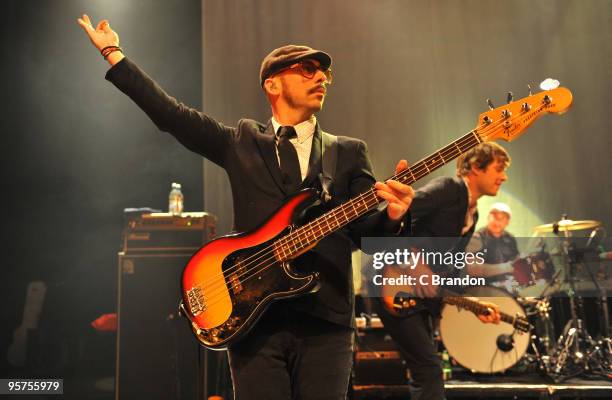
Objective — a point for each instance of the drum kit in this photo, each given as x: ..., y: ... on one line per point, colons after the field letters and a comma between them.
x: 545, y: 286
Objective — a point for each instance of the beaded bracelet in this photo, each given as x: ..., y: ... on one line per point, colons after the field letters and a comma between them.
x: 110, y: 49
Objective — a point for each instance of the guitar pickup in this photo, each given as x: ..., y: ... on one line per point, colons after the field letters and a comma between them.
x: 233, y: 280
x: 235, y: 284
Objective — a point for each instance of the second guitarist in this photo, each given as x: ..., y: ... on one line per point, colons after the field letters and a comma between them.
x: 446, y: 207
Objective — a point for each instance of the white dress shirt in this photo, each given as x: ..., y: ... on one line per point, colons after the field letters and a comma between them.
x: 302, y: 143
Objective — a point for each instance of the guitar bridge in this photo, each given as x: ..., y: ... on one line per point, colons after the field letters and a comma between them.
x: 195, y: 298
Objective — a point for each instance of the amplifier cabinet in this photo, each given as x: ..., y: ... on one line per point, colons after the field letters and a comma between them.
x: 377, y: 360
x: 157, y: 355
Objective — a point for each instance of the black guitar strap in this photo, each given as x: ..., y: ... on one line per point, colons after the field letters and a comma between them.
x: 329, y: 158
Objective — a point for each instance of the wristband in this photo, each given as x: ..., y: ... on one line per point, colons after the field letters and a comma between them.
x: 106, y: 51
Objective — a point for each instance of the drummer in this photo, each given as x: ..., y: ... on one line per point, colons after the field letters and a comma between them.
x: 501, y: 247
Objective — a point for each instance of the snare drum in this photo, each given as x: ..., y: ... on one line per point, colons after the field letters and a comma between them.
x: 474, y: 344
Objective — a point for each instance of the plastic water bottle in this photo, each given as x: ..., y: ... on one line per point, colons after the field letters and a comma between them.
x: 175, y: 199
x: 447, y: 369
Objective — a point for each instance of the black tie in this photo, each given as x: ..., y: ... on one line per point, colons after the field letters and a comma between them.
x: 289, y: 164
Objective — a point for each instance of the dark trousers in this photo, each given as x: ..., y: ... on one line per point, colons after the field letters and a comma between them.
x: 291, y: 355
x: 414, y: 335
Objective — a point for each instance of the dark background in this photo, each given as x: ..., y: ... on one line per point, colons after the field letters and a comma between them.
x: 76, y: 152
x: 410, y: 76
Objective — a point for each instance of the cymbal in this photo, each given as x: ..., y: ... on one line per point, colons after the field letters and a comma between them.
x: 567, y: 225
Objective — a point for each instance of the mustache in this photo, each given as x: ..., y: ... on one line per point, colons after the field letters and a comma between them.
x: 318, y: 88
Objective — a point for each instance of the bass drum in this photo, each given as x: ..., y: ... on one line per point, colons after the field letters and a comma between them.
x: 473, y: 344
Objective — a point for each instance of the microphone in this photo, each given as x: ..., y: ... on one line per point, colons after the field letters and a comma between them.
x: 505, y: 342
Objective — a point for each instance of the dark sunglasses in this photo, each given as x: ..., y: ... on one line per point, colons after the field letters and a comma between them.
x: 308, y: 69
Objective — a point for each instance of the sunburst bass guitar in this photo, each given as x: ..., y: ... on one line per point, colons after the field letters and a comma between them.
x: 230, y: 282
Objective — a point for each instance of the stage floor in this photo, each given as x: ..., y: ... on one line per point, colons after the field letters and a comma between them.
x: 524, y: 387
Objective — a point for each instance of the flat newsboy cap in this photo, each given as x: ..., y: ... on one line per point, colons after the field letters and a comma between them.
x: 287, y: 55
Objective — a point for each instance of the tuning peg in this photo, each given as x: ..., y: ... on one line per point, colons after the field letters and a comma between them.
x: 529, y: 87
x: 490, y: 103
x: 509, y: 98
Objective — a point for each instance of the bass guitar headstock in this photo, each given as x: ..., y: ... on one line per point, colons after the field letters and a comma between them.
x: 508, y: 122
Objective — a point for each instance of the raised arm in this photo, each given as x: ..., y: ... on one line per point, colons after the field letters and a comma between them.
x: 194, y: 129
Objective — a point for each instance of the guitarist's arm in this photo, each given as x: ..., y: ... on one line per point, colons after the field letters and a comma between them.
x: 195, y: 130
x: 428, y: 200
x: 430, y: 290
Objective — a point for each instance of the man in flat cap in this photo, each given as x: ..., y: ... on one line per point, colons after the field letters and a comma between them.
x: 301, y: 348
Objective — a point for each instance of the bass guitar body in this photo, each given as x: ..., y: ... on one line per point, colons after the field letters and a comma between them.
x: 230, y: 282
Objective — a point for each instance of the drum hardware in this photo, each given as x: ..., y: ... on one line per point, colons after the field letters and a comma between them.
x: 547, y: 335
x: 539, y: 311
x: 536, y: 300
x: 576, y: 352
x: 594, y: 245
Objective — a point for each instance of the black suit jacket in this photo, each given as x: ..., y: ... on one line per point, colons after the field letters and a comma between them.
x: 248, y: 154
x: 438, y: 211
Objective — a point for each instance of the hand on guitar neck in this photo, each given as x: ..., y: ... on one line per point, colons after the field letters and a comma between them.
x: 493, y: 317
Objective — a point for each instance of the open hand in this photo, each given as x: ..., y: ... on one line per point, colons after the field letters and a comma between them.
x: 102, y: 36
